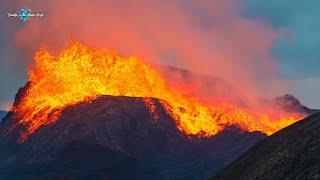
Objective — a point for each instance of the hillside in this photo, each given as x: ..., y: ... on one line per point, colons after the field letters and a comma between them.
x: 116, y: 137
x: 291, y: 153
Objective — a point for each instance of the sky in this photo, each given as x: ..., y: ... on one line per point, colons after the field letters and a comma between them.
x: 284, y: 32
x: 298, y: 55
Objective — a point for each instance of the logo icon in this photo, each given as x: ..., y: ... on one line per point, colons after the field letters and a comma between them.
x: 24, y: 14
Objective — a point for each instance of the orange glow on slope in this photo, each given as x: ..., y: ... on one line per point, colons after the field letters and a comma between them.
x: 81, y: 73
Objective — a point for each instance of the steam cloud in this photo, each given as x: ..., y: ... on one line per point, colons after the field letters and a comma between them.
x: 210, y: 37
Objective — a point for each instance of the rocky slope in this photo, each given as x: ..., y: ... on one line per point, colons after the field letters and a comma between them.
x: 291, y: 153
x: 116, y: 138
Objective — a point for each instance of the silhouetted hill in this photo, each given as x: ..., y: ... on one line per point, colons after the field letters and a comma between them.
x: 291, y: 104
x: 291, y: 153
x: 115, y: 138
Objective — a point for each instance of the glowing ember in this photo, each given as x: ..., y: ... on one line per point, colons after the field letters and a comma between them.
x: 152, y: 107
x: 81, y: 73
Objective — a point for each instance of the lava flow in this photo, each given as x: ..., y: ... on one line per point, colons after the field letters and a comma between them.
x: 80, y: 73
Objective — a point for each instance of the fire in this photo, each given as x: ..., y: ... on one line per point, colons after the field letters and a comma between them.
x: 80, y: 73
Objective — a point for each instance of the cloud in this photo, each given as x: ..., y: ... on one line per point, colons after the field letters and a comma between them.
x: 205, y: 36
x: 298, y: 55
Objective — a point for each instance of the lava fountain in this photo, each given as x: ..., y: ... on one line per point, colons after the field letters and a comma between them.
x: 81, y: 73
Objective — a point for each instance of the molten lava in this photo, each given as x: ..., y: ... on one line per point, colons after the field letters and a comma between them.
x: 80, y: 73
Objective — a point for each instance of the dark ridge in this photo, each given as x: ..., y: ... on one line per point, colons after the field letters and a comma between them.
x: 290, y: 103
x: 291, y: 153
x: 116, y: 138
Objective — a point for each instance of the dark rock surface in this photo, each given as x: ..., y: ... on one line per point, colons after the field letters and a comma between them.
x: 116, y: 138
x: 291, y: 153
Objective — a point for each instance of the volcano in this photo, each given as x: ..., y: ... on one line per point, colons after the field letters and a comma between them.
x: 81, y: 73
x: 116, y: 137
x: 91, y: 113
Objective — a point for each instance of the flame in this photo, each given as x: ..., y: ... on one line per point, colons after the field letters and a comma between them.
x: 80, y: 73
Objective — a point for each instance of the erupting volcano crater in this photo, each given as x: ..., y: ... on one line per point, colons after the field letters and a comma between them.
x: 80, y: 73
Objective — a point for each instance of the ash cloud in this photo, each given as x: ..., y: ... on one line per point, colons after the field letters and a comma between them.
x: 208, y: 37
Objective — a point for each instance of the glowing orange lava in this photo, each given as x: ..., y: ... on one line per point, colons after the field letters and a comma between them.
x: 81, y: 73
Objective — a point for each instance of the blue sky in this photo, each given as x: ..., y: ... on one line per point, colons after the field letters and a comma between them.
x: 297, y: 53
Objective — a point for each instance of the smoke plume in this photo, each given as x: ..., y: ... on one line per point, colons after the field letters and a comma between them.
x: 208, y: 37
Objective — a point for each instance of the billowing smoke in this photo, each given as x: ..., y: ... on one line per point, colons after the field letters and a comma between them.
x: 208, y: 37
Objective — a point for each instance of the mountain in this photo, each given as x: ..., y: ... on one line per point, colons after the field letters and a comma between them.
x: 115, y: 137
x: 291, y: 153
x: 291, y: 104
